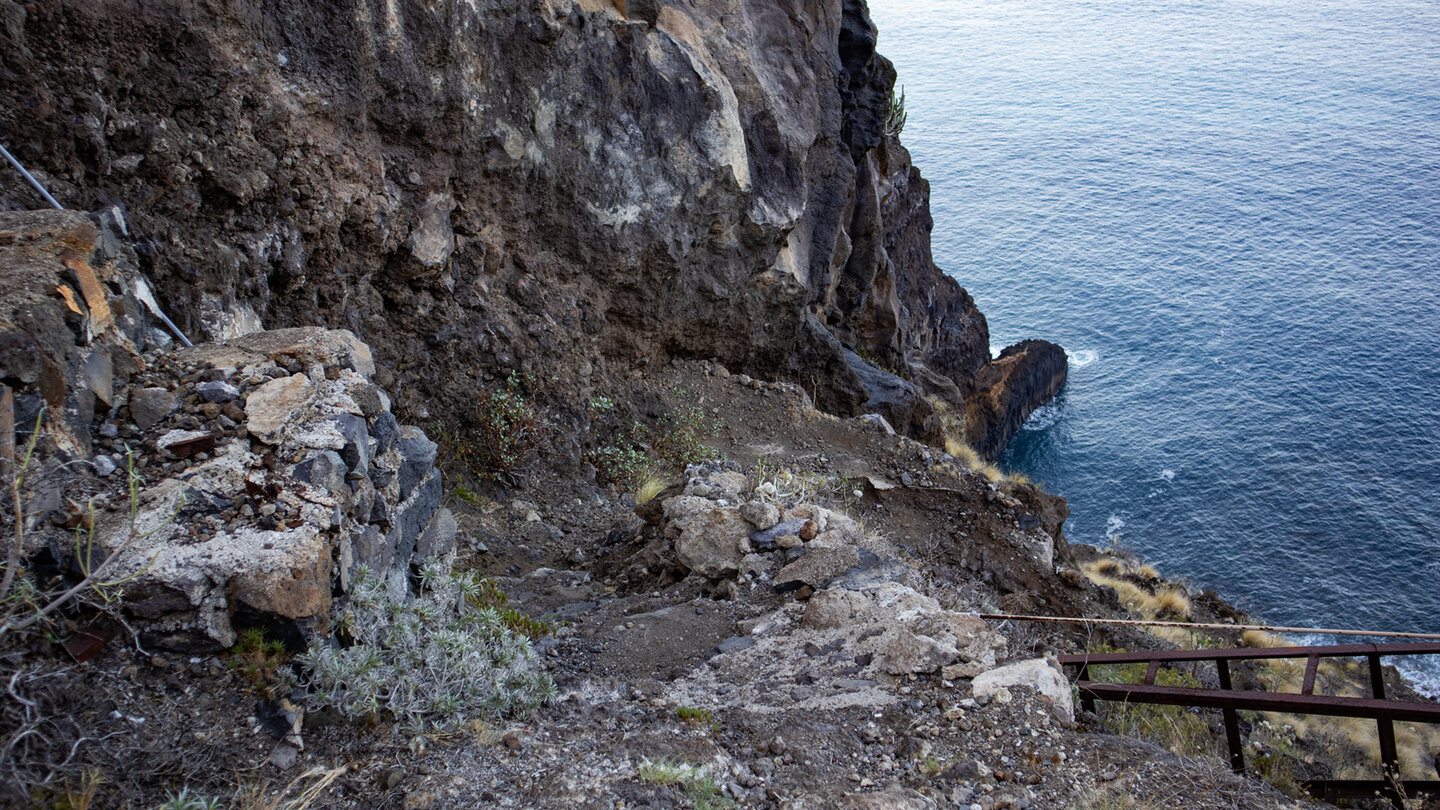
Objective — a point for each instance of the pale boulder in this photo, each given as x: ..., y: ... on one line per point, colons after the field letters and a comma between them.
x: 1038, y: 674
x: 709, y: 539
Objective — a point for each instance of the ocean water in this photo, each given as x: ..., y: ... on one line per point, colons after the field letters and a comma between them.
x: 1228, y: 212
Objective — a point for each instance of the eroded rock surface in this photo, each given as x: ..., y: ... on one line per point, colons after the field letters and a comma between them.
x: 685, y: 178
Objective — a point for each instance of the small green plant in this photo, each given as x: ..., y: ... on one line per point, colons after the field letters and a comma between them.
x: 702, y: 791
x: 258, y: 660
x: 668, y: 772
x: 508, y: 430
x: 22, y: 602
x: 626, y: 467
x: 704, y: 794
x: 932, y: 767
x: 490, y: 597
x: 1277, y: 765
x: 640, y: 454
x: 695, y: 716
x: 434, y: 662
x: 597, y: 407
x: 895, y: 120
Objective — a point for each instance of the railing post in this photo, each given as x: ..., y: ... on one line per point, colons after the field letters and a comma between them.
x: 1389, y: 756
x: 1232, y: 721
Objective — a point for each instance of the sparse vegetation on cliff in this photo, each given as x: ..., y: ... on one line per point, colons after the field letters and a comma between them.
x: 435, y: 662
x: 508, y: 429
x: 896, y: 118
x: 641, y: 455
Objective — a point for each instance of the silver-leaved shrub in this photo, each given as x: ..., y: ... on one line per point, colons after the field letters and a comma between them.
x: 434, y: 661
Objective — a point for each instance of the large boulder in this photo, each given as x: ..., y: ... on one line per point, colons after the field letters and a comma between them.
x: 1040, y: 674
x: 907, y: 631
x: 710, y: 539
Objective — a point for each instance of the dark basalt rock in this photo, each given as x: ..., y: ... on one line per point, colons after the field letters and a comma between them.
x: 672, y: 185
x: 896, y: 399
x: 1008, y: 389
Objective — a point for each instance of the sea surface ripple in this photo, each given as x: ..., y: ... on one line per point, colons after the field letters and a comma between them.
x: 1228, y: 212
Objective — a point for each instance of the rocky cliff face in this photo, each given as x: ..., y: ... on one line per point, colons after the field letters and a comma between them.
x: 570, y: 188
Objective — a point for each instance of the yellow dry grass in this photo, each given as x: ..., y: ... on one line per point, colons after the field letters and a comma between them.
x: 648, y: 489
x: 1260, y: 638
x: 1169, y: 602
x: 965, y: 454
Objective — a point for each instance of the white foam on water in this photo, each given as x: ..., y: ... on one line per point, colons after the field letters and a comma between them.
x: 1081, y: 357
x: 1113, y: 525
x: 995, y: 350
x: 1042, y: 417
x: 1422, y: 674
x: 1168, y: 475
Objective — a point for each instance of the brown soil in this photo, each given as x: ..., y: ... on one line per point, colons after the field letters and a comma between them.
x: 627, y: 645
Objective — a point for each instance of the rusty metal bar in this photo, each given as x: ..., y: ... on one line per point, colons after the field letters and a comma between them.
x: 1385, y: 728
x: 1368, y: 708
x: 1232, y: 721
x: 1230, y: 701
x: 1332, y: 789
x: 1312, y: 665
x: 1258, y: 653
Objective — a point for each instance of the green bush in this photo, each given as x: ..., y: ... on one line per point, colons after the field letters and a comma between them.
x: 895, y: 121
x: 680, y: 438
x: 434, y: 662
x: 507, y: 428
x: 674, y: 442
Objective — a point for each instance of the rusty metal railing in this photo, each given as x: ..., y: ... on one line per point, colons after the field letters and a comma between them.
x: 1231, y: 701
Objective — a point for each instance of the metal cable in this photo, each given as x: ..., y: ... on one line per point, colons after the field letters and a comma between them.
x: 30, y: 178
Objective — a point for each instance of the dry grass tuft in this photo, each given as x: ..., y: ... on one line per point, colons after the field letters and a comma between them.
x: 1260, y: 638
x: 1170, y: 602
x: 311, y: 785
x: 649, y: 488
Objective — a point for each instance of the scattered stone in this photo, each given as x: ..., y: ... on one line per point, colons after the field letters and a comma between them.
x: 104, y: 466
x: 762, y: 515
x: 185, y: 443
x: 894, y: 799
x: 284, y: 755
x: 217, y: 392
x: 821, y: 563
x: 770, y: 537
x: 967, y: 770
x: 149, y: 406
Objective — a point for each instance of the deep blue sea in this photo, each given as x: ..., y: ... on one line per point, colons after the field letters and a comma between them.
x: 1228, y: 213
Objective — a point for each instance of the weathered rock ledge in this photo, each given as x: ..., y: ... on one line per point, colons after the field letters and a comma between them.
x: 572, y: 189
x: 265, y: 469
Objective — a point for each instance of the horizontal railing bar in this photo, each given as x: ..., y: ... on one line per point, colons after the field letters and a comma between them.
x: 1248, y: 653
x: 1369, y: 708
x: 1360, y: 788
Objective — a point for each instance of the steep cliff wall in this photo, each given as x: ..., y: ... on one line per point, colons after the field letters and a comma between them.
x: 567, y: 188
